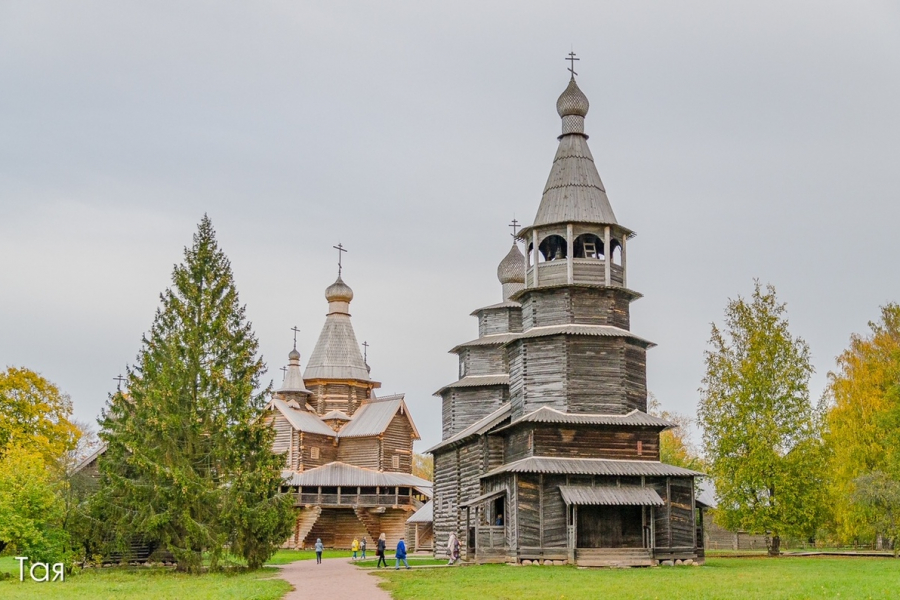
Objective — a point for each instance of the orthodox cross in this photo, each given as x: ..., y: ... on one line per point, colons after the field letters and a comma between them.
x: 340, y: 248
x: 515, y: 226
x: 365, y: 352
x: 119, y: 379
x: 296, y: 331
x: 572, y: 60
x: 284, y: 370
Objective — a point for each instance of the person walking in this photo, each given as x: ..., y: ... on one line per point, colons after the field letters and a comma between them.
x: 453, y: 548
x: 379, y: 551
x: 319, y: 548
x: 355, y: 547
x: 362, y: 548
x: 401, y: 554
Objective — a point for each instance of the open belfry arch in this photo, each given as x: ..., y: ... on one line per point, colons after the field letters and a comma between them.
x: 348, y: 453
x: 548, y: 453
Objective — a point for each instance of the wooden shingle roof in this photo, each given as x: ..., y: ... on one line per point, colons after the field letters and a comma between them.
x: 476, y: 381
x: 635, y: 418
x: 374, y: 416
x: 591, y: 466
x: 300, y: 419
x: 610, y: 495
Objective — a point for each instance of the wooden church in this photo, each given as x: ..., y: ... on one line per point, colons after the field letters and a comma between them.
x: 548, y: 453
x: 348, y: 453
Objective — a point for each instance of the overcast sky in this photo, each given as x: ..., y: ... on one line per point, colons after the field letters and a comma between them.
x: 740, y: 140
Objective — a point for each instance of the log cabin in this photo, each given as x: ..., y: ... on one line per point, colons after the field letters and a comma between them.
x: 547, y: 452
x: 347, y: 453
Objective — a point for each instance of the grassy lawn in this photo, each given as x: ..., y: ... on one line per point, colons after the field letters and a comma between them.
x: 719, y: 579
x: 141, y: 583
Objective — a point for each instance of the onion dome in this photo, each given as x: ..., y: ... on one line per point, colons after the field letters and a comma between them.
x: 512, y: 267
x: 338, y: 291
x: 572, y: 101
x: 511, y: 272
x: 294, y: 355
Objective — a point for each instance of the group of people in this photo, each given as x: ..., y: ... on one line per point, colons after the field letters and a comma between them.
x: 359, y: 551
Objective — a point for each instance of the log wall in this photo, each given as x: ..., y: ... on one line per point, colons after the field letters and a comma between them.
x: 589, y: 442
x: 397, y: 441
x: 576, y: 305
x: 328, y: 452
x: 462, y: 407
x: 360, y: 452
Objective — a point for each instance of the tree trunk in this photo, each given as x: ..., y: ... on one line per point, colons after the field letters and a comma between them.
x: 774, y: 544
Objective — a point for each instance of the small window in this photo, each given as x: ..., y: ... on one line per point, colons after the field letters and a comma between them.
x: 314, y: 453
x: 640, y: 448
x: 396, y: 461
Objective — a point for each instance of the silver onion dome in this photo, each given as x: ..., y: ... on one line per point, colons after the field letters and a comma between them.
x: 338, y: 291
x: 572, y: 102
x: 512, y: 268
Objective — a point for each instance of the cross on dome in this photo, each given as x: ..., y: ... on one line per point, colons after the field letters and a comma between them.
x: 340, y: 248
x: 572, y: 60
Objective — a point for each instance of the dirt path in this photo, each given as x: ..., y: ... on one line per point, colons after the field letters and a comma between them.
x: 335, y: 578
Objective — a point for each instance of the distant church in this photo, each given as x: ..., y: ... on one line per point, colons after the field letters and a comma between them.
x: 347, y: 453
x: 548, y: 453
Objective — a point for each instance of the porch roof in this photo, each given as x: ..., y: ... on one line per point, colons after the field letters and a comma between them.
x: 424, y: 514
x: 610, y: 495
x: 484, y: 497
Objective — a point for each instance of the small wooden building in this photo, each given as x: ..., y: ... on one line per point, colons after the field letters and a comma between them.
x: 348, y: 454
x: 548, y: 453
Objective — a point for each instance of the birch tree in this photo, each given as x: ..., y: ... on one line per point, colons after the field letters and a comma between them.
x: 761, y: 433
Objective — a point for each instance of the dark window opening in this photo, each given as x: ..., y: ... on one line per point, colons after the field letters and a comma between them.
x: 554, y: 247
x: 588, y: 245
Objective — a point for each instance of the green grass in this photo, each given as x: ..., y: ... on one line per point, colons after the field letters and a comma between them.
x: 719, y: 579
x: 283, y: 557
x: 141, y: 583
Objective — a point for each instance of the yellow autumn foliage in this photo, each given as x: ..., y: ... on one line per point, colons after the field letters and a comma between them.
x: 859, y: 398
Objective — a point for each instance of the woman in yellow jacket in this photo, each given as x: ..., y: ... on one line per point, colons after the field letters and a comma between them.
x: 355, y: 547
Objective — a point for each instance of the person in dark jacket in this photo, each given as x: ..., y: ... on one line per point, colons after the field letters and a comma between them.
x: 319, y: 548
x: 362, y: 548
x: 379, y: 551
x: 401, y: 554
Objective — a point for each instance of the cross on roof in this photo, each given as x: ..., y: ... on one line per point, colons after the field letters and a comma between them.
x: 572, y: 60
x: 296, y: 331
x: 340, y: 248
x: 119, y: 379
x: 284, y: 370
x: 365, y: 352
x: 515, y: 225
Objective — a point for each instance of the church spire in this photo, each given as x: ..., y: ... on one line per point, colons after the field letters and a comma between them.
x: 337, y: 355
x: 574, y: 192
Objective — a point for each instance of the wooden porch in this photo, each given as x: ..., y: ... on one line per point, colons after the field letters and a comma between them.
x: 350, y: 497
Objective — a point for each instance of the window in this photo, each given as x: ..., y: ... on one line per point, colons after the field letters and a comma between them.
x: 314, y: 453
x: 588, y: 245
x: 553, y: 247
x: 395, y: 463
x: 640, y: 448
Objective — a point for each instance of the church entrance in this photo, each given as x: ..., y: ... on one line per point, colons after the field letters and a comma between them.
x: 610, y: 527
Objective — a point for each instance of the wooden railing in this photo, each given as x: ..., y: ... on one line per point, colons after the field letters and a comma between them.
x: 353, y: 499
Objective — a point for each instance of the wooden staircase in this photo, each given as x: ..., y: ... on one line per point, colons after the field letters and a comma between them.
x: 306, y: 520
x: 371, y: 522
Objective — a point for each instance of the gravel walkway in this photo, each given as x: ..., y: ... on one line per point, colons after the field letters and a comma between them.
x: 335, y: 578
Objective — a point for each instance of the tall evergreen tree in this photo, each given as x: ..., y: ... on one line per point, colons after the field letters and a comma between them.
x: 189, y: 463
x: 761, y: 434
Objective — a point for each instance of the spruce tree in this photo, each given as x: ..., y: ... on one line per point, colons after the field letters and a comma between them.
x: 189, y: 463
